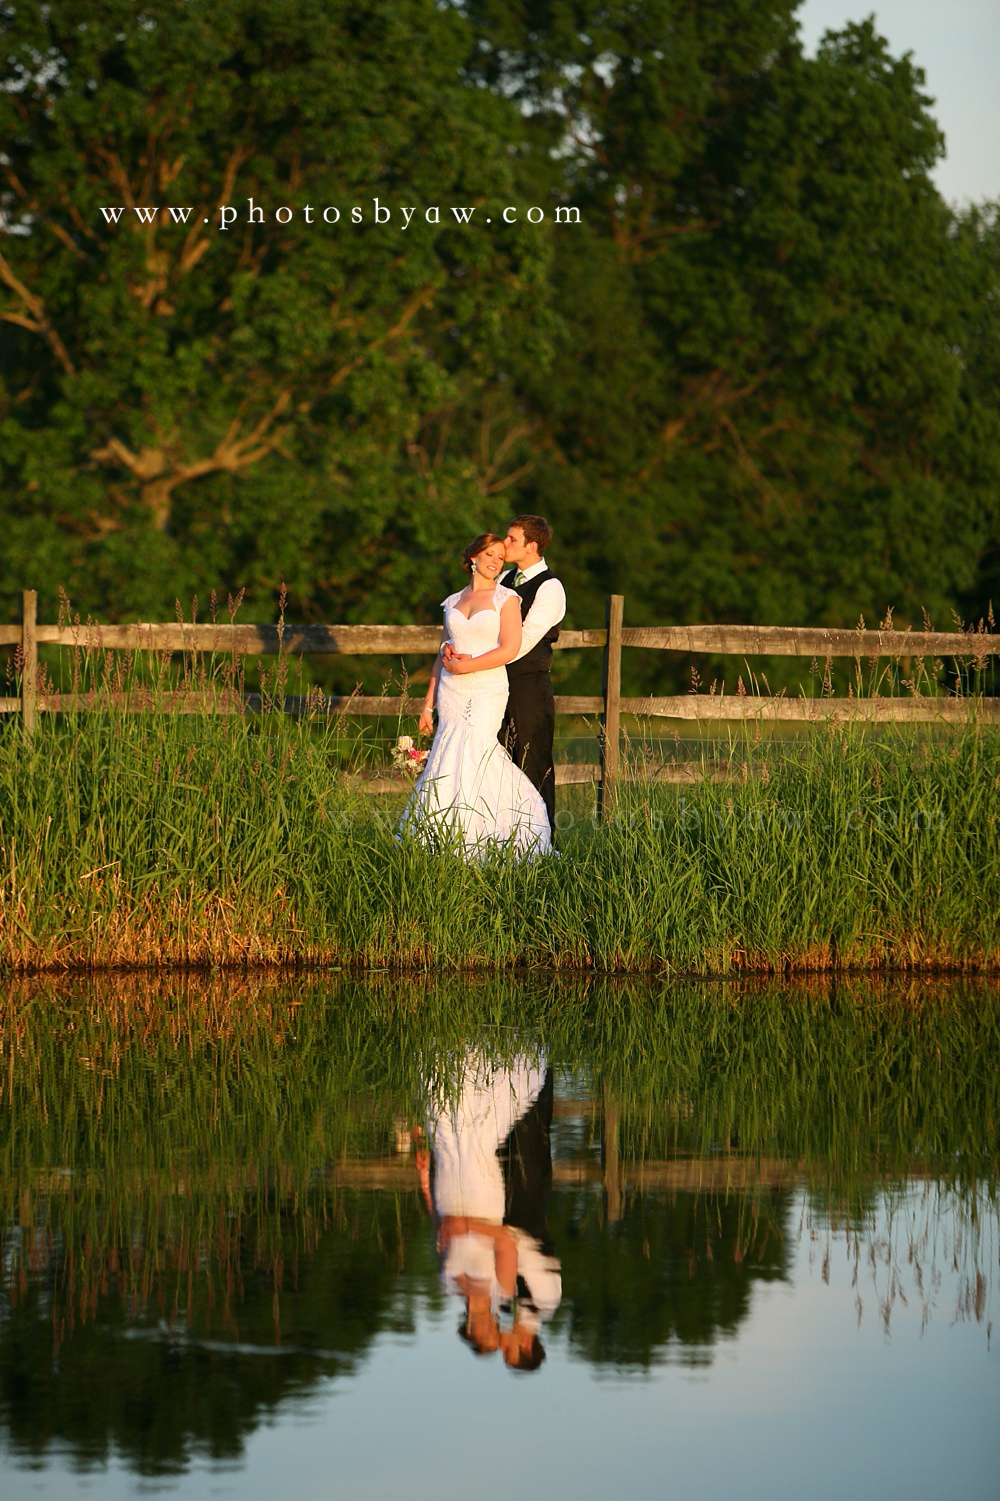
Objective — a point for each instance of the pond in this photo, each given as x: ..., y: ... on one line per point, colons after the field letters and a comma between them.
x: 387, y: 1235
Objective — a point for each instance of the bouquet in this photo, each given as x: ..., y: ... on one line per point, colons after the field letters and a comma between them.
x: 406, y: 757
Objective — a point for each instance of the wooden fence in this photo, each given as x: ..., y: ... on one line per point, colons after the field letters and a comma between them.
x: 739, y: 641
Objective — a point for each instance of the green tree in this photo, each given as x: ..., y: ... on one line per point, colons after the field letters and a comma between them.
x: 977, y: 435
x: 760, y: 405
x: 755, y: 382
x: 184, y: 406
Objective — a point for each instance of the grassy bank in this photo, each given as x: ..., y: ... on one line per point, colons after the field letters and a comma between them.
x: 133, y: 839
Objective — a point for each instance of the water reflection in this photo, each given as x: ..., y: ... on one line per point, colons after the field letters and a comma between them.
x: 217, y: 1204
x: 486, y: 1178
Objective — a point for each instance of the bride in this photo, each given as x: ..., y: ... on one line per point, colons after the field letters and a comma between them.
x: 470, y: 787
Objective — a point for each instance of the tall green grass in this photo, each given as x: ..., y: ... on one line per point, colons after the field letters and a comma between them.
x: 130, y: 837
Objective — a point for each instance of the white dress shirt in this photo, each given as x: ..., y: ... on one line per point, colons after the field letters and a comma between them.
x: 548, y: 608
x: 542, y: 1276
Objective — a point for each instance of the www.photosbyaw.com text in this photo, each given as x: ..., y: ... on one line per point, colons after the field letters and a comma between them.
x: 377, y: 213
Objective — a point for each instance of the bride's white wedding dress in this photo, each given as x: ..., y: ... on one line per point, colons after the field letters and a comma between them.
x: 469, y: 787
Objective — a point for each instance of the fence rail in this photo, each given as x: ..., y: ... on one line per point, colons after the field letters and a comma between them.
x: 373, y: 640
x: 260, y: 640
x: 741, y: 641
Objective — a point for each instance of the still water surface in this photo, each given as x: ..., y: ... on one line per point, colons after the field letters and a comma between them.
x: 399, y: 1238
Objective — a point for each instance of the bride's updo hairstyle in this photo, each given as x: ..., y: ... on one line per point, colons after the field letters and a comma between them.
x: 480, y: 544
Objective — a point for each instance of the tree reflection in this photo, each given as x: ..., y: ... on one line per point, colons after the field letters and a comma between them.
x: 209, y: 1204
x: 669, y: 1277
x: 187, y: 1353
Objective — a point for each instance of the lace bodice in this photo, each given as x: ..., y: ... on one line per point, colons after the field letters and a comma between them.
x: 481, y: 633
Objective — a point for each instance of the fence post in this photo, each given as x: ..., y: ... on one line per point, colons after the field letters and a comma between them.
x: 29, y: 659
x: 610, y: 1160
x: 611, y: 717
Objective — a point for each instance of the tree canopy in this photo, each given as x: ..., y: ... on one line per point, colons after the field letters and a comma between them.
x: 755, y: 381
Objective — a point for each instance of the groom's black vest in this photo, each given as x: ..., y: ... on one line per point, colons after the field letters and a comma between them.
x: 539, y: 658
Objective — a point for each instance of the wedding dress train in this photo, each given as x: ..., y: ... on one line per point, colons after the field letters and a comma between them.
x: 470, y: 787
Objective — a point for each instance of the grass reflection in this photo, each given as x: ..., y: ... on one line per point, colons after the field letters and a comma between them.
x: 209, y: 1199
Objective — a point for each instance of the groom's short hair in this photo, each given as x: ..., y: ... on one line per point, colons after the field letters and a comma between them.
x: 536, y: 529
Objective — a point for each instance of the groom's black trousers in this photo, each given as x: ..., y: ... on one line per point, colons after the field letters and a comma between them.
x: 528, y: 730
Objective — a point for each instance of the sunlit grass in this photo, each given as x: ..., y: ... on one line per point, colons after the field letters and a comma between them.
x: 130, y: 837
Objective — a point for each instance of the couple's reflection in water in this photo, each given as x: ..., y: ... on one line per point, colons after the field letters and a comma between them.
x: 485, y: 1165
x: 176, y: 1280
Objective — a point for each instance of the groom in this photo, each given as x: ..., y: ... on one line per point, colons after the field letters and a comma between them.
x: 529, y: 723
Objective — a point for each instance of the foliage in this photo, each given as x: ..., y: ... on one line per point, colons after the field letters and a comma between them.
x: 186, y: 406
x: 761, y: 409
x: 755, y: 381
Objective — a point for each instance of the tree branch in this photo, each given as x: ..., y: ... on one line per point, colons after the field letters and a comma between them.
x: 746, y: 463
x: 32, y: 206
x: 487, y: 480
x: 38, y: 322
x: 116, y: 174
x: 196, y: 242
x: 510, y: 479
x: 158, y: 477
x: 416, y: 302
